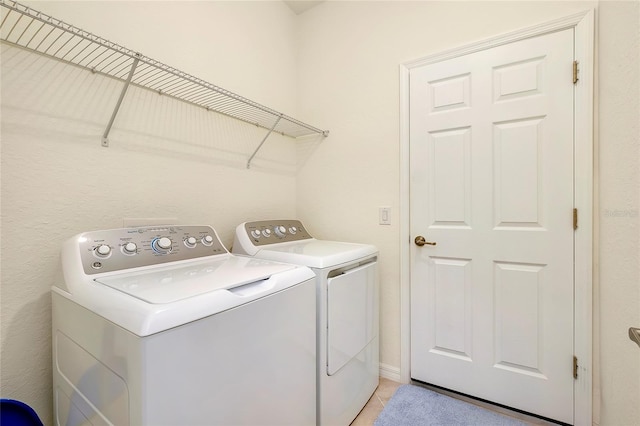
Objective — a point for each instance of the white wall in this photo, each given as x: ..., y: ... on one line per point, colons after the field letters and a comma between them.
x: 336, y: 66
x: 166, y: 159
x: 619, y: 173
x: 348, y: 80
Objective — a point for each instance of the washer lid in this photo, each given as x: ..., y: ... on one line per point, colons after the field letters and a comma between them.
x: 316, y: 253
x: 171, y: 283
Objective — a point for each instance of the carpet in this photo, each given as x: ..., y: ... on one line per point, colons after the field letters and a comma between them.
x: 414, y: 405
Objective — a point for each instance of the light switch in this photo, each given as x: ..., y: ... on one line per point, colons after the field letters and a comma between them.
x: 384, y: 214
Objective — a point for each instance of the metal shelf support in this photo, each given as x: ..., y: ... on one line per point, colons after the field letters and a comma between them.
x: 105, y: 136
x: 263, y: 141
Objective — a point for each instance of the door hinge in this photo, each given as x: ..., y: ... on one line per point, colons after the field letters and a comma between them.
x: 575, y: 367
x: 575, y: 219
x: 575, y: 72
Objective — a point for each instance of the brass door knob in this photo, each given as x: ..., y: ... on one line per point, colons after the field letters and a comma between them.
x: 420, y: 241
x: 634, y: 335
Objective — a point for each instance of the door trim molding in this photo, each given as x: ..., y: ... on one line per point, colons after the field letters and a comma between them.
x: 584, y: 31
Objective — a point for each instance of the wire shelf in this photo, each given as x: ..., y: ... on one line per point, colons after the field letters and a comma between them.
x: 33, y: 30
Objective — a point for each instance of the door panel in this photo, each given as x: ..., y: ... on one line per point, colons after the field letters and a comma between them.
x: 449, y: 162
x: 491, y: 164
x: 518, y: 317
x: 451, y: 319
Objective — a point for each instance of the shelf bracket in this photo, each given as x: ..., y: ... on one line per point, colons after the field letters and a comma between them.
x: 263, y: 140
x: 105, y: 136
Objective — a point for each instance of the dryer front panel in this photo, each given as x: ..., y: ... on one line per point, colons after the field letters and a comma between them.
x: 352, y: 314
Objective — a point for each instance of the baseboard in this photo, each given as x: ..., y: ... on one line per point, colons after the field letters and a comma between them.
x: 390, y: 372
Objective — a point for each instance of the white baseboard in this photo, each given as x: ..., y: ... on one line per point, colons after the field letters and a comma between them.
x: 390, y: 372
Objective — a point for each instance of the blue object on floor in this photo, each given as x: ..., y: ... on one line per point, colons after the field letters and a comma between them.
x: 16, y: 413
x: 416, y: 406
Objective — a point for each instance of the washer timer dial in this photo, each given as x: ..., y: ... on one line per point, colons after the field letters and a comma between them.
x: 162, y: 245
x: 280, y: 231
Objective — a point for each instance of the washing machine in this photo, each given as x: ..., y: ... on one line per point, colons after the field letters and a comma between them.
x: 163, y: 326
x: 347, y: 310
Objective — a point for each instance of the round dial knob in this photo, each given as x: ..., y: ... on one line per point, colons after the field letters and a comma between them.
x: 190, y: 242
x: 266, y: 232
x: 255, y: 233
x: 280, y: 231
x: 162, y: 245
x: 293, y: 230
x: 103, y: 250
x: 207, y: 240
x: 130, y: 248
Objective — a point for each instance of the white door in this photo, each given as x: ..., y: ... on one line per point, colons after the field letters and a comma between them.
x: 491, y: 165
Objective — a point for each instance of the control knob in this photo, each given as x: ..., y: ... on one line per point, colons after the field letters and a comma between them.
x: 130, y: 248
x: 255, y: 233
x: 162, y: 245
x: 293, y: 230
x: 190, y: 242
x: 280, y: 231
x: 266, y: 233
x: 207, y: 240
x: 103, y: 250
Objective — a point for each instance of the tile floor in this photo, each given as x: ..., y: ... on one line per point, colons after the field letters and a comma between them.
x: 387, y: 388
x: 376, y: 403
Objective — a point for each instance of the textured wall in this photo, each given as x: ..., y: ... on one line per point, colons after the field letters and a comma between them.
x: 619, y: 173
x: 166, y: 159
x: 349, y: 57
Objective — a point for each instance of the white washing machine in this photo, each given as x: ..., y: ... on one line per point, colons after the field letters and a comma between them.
x: 163, y: 326
x: 347, y: 306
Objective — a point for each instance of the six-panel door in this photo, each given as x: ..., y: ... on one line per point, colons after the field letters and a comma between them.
x: 491, y: 151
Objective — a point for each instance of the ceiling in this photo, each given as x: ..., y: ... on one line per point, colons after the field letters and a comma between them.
x: 301, y: 6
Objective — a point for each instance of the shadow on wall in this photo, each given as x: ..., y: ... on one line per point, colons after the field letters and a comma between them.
x: 305, y: 149
x: 39, y: 92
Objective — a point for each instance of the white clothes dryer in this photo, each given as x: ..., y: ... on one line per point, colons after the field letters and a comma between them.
x: 347, y: 310
x: 163, y: 326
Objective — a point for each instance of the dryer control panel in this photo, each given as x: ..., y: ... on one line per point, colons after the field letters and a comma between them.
x: 275, y: 231
x: 125, y: 248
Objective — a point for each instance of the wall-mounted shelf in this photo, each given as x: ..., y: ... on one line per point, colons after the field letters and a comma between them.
x: 27, y: 28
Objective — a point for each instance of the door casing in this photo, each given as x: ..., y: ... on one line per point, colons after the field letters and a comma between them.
x: 584, y: 27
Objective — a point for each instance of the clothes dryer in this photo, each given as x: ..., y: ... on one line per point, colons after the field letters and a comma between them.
x: 163, y: 326
x: 347, y: 310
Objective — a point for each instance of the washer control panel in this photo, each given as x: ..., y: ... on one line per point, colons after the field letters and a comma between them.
x: 266, y: 232
x: 118, y: 249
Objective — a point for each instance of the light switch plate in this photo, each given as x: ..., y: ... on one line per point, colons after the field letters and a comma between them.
x: 384, y: 215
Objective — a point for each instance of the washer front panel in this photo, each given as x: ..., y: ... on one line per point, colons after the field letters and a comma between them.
x: 118, y: 249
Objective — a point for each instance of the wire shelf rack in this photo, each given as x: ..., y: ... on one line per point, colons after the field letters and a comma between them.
x: 37, y: 32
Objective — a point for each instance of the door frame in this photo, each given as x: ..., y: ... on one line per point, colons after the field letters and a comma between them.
x: 584, y: 25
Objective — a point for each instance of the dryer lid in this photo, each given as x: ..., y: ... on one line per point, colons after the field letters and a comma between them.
x: 171, y: 284
x: 317, y: 253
